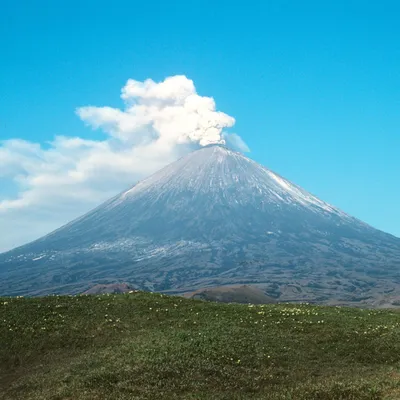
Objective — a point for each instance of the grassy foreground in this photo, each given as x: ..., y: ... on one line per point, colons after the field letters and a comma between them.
x: 149, y: 346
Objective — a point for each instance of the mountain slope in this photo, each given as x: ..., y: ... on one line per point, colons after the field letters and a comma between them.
x: 214, y: 217
x: 232, y: 294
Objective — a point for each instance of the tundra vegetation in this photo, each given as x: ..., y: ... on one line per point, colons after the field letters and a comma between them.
x: 150, y: 346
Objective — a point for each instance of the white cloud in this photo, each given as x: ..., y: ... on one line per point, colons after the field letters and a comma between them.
x: 56, y: 183
x: 167, y: 113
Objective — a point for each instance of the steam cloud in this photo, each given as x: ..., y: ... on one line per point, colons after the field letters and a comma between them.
x: 169, y: 112
x: 52, y: 185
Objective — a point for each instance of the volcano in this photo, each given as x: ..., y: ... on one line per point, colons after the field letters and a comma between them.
x: 212, y: 218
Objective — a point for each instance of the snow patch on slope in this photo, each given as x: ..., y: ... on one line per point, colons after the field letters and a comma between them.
x: 302, y: 196
x: 214, y: 170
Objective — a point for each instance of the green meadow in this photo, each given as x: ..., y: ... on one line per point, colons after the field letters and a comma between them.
x: 151, y: 346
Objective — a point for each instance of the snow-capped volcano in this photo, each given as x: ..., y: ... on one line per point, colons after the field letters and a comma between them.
x: 213, y: 217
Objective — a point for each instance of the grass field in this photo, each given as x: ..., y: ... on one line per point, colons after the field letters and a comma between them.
x: 149, y: 346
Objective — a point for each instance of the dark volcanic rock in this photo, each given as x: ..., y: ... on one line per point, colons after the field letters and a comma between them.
x: 232, y: 294
x: 212, y: 218
x: 112, y: 288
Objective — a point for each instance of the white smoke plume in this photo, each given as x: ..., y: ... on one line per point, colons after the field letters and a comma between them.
x: 169, y: 112
x: 53, y: 184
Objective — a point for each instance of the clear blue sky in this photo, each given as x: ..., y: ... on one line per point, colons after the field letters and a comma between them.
x: 313, y: 85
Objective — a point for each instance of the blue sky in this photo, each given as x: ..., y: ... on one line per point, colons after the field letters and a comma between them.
x: 314, y: 88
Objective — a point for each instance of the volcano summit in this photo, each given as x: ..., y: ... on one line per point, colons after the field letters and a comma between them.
x: 212, y: 218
